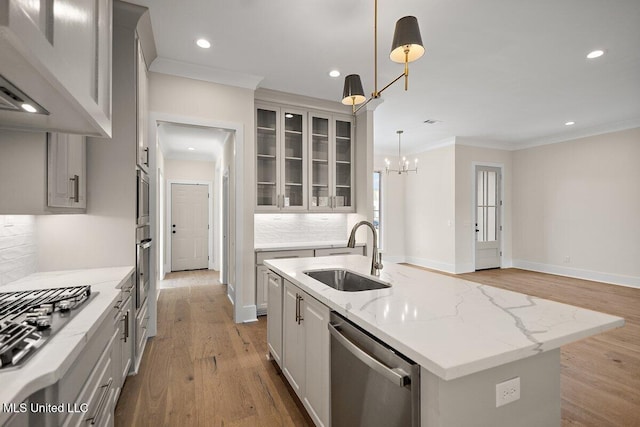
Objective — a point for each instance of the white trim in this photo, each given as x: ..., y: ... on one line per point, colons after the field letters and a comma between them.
x: 169, y: 221
x: 207, y: 74
x: 577, y: 134
x: 248, y: 311
x: 394, y: 259
x: 154, y: 119
x: 597, y: 276
x: 435, y: 265
x: 474, y: 203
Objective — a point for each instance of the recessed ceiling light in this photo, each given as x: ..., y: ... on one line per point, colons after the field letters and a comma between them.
x: 334, y: 73
x: 203, y: 43
x: 595, y: 54
x: 570, y: 123
x: 29, y: 108
x: 190, y: 148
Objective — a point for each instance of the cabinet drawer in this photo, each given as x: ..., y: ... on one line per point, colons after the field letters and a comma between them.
x: 261, y: 256
x: 96, y: 392
x: 340, y: 251
x: 82, y: 368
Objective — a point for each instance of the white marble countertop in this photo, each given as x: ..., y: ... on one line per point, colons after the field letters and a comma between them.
x: 301, y: 245
x: 53, y: 359
x: 450, y: 326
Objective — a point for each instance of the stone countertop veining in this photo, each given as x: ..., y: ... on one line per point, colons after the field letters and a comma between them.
x: 264, y: 247
x: 450, y: 326
x: 53, y: 360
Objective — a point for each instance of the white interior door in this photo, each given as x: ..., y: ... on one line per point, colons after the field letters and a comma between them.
x: 189, y: 227
x: 488, y: 223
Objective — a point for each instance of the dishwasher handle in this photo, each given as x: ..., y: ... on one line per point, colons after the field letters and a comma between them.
x: 396, y: 376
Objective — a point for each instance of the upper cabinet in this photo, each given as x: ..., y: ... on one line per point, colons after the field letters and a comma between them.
x: 42, y: 173
x: 331, y: 163
x: 281, y: 151
x: 142, y: 108
x: 303, y: 160
x: 56, y: 57
x: 66, y: 171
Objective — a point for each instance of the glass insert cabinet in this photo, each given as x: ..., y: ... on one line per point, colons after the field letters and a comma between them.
x: 304, y: 160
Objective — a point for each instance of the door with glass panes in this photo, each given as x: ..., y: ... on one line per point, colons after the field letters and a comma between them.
x: 488, y: 222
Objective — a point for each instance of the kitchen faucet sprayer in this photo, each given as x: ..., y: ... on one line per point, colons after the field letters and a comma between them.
x: 376, y: 258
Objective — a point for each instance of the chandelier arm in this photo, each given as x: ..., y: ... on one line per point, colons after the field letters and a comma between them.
x: 394, y: 80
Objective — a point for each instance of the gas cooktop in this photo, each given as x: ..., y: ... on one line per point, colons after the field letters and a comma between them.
x: 28, y: 319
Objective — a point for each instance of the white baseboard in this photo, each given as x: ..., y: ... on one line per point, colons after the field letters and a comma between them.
x: 393, y: 259
x: 436, y: 265
x: 249, y: 314
x: 614, y: 279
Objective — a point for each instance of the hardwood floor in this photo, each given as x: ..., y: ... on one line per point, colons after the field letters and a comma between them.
x: 204, y: 370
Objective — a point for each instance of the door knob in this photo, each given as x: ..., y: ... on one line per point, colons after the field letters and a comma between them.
x: 174, y: 231
x: 173, y: 225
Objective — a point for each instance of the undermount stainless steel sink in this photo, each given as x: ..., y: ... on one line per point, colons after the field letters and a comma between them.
x: 345, y: 280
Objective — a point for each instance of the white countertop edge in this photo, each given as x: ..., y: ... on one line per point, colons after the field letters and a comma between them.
x: 47, y: 367
x: 457, y: 371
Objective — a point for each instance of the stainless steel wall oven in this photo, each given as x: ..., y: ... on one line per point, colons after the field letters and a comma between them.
x: 142, y: 207
x: 143, y: 266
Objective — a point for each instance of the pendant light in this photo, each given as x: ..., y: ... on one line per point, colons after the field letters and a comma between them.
x: 406, y: 47
x: 403, y: 163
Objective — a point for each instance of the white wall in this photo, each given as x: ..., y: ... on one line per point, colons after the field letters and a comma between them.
x: 577, y: 208
x: 466, y: 157
x: 18, y: 254
x: 429, y: 210
x: 392, y: 212
x: 183, y: 100
x: 189, y: 170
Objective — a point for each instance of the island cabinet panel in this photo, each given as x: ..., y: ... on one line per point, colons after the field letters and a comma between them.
x: 293, y: 339
x: 315, y: 317
x: 305, y: 360
x: 274, y: 316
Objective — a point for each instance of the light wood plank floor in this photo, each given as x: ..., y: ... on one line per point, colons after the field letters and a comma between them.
x: 204, y: 370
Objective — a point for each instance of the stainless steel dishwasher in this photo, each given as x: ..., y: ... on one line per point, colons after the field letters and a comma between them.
x: 371, y: 383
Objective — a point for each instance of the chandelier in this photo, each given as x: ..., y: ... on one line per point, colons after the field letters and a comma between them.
x: 406, y: 47
x: 403, y: 163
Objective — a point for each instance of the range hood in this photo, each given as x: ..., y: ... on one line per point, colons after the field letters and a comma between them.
x: 13, y: 99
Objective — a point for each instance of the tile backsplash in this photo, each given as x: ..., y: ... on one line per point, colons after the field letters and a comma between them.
x: 299, y: 228
x: 18, y: 253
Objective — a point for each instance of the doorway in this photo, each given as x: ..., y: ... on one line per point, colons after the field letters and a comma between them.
x: 224, y: 265
x: 189, y: 227
x: 488, y: 218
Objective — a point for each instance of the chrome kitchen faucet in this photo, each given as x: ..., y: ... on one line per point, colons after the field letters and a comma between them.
x: 376, y: 259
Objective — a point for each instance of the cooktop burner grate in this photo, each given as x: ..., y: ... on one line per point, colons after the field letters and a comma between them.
x: 15, y: 304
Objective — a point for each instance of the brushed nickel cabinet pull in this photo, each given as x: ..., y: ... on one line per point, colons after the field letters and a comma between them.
x: 76, y: 188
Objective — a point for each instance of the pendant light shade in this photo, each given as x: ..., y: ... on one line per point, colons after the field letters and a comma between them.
x: 353, y: 94
x: 406, y: 37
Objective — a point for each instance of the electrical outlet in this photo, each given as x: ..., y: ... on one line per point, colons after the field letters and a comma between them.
x: 507, y: 392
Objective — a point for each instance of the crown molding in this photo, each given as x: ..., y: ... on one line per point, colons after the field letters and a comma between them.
x: 204, y: 73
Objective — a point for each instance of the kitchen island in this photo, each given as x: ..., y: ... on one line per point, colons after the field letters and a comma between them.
x: 466, y: 337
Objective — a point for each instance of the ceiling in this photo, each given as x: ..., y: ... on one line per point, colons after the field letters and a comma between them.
x: 500, y: 73
x: 184, y: 142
